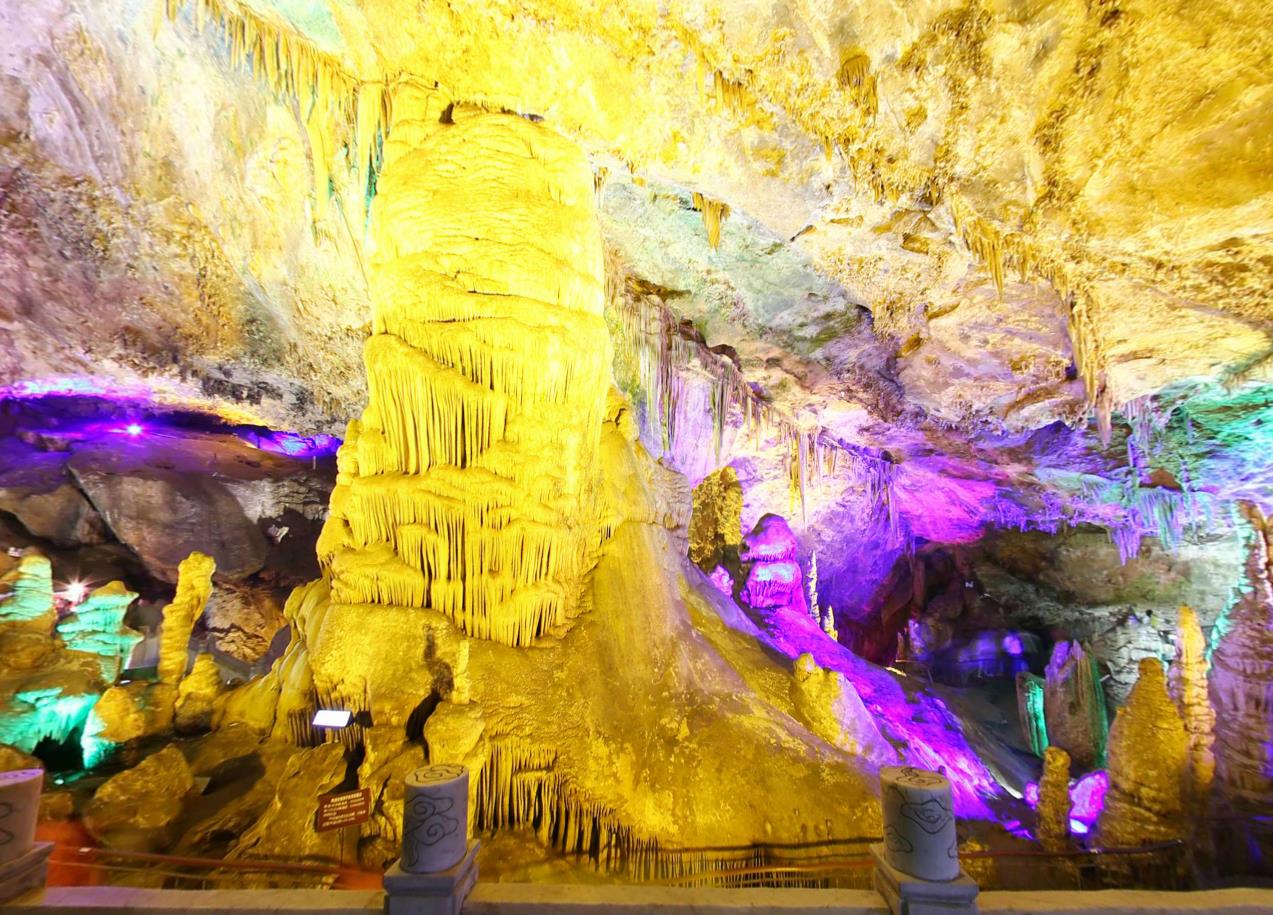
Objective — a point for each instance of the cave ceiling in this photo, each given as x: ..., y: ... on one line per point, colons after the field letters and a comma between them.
x: 970, y: 235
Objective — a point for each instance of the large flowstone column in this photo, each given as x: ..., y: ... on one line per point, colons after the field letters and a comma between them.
x: 469, y: 485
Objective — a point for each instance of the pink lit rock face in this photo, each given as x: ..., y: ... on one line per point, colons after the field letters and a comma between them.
x: 770, y: 555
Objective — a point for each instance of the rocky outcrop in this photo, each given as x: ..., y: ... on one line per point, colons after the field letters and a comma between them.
x: 1074, y: 705
x: 285, y: 828
x: 716, y: 519
x: 1242, y: 696
x: 138, y: 809
x: 36, y: 489
x: 1148, y: 766
x: 241, y: 620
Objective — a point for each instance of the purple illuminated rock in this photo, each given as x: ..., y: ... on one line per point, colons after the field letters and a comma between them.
x: 771, y: 540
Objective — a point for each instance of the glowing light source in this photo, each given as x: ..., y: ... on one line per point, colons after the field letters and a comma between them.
x: 332, y: 718
x: 74, y: 592
x: 133, y: 429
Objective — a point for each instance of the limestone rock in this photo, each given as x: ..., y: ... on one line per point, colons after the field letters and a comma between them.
x: 138, y: 809
x: 241, y: 621
x: 125, y: 713
x: 194, y: 586
x: 164, y: 517
x: 1148, y: 766
x: 1187, y: 683
x: 12, y: 758
x: 197, y: 695
x: 1074, y: 705
x: 716, y: 519
x: 388, y: 760
x: 1030, y: 699
x: 43, y: 498
x: 286, y: 827
x: 97, y: 627
x: 831, y: 708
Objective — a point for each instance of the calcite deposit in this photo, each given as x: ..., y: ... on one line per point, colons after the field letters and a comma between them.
x: 672, y: 412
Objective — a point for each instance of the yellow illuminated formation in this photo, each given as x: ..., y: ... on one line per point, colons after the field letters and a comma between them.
x: 468, y: 486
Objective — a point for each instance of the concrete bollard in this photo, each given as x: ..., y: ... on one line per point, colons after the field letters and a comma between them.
x: 24, y: 863
x: 438, y: 867
x: 917, y: 865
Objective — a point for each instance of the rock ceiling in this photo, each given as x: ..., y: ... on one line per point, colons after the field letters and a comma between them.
x: 1050, y: 211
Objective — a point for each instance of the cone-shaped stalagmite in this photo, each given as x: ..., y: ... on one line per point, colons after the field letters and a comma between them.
x: 1188, y: 686
x: 1054, y: 799
x: 1148, y: 766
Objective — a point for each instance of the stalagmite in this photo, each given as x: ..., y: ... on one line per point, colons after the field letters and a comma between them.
x: 1034, y: 725
x: 28, y: 594
x: 1054, y: 800
x: 716, y: 519
x: 97, y: 627
x: 1187, y: 683
x: 468, y: 486
x: 1074, y: 705
x: 1148, y: 766
x: 194, y: 587
x: 197, y: 694
x: 829, y: 705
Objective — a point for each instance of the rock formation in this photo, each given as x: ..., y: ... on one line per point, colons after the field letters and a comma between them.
x: 770, y: 557
x: 829, y: 705
x: 716, y: 521
x: 469, y: 484
x: 1054, y: 800
x: 197, y: 694
x: 137, y: 809
x: 1074, y: 705
x: 1034, y: 723
x: 97, y: 627
x: 1187, y: 683
x: 194, y: 587
x: 1148, y: 766
x: 1242, y: 696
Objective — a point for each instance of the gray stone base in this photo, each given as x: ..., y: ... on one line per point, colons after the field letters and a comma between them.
x: 442, y: 893
x: 25, y: 873
x: 907, y: 895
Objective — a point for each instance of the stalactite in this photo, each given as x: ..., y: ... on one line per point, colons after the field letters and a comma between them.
x: 520, y: 787
x: 334, y: 102
x: 661, y: 354
x: 714, y: 213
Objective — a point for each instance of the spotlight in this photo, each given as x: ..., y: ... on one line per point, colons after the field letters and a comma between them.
x: 134, y: 429
x: 75, y: 592
x: 332, y: 718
